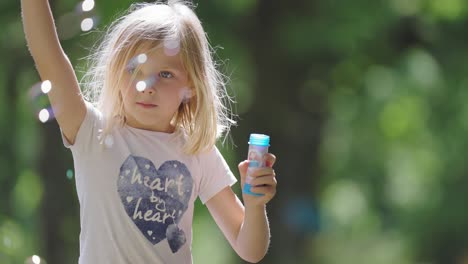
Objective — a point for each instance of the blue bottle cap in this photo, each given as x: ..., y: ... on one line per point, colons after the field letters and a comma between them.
x: 259, y: 140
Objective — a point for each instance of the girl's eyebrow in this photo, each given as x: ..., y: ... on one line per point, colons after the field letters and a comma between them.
x: 175, y: 69
x: 163, y: 64
x: 167, y: 67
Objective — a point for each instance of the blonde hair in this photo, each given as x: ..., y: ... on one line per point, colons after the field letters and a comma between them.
x: 205, y: 117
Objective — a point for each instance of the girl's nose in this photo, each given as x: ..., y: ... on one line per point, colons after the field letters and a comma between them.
x: 147, y: 85
x: 148, y: 90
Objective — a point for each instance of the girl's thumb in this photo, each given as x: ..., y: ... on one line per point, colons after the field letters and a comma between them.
x: 243, y: 169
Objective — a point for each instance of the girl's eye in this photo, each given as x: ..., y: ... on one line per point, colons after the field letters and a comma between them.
x: 131, y: 70
x: 166, y: 74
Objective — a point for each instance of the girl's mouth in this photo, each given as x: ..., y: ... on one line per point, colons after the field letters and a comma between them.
x: 146, y: 105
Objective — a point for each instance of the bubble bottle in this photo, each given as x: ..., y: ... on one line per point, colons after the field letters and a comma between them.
x: 258, y: 147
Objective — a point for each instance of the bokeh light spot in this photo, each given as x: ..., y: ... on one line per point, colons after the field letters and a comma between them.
x: 149, y: 82
x: 406, y: 8
x: 171, y: 47
x: 36, y: 259
x: 136, y: 61
x: 69, y: 174
x: 141, y: 86
x: 448, y: 9
x: 109, y: 141
x: 142, y: 58
x: 403, y: 115
x: 87, y: 5
x: 7, y: 241
x: 46, y: 86
x: 185, y: 94
x: 27, y: 193
x: 345, y: 201
x: 44, y: 115
x: 423, y: 69
x: 87, y: 24
x: 12, y: 237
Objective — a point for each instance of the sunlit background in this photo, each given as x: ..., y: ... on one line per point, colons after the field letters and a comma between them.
x: 366, y: 103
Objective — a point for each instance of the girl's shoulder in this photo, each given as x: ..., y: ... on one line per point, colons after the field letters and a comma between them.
x: 211, y: 156
x: 93, y: 112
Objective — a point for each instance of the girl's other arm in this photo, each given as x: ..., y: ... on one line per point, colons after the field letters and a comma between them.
x: 246, y: 228
x: 53, y: 65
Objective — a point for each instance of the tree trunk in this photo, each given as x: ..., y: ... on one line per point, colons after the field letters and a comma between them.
x: 295, y: 133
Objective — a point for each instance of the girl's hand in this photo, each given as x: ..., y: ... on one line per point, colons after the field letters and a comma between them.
x: 263, y: 182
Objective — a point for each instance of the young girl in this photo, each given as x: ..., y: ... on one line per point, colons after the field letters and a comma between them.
x: 143, y: 141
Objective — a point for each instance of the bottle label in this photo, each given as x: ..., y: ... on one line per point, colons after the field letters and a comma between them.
x: 256, y: 157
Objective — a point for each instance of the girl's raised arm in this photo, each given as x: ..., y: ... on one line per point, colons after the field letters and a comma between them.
x: 53, y: 65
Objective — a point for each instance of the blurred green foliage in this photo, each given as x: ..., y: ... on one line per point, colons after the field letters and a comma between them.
x: 366, y: 105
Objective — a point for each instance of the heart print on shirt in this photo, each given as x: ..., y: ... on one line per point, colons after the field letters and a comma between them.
x: 156, y: 199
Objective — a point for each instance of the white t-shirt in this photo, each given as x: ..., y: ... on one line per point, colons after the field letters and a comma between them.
x: 137, y: 193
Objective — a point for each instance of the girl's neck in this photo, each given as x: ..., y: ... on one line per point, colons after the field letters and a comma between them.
x: 170, y: 129
x: 160, y: 127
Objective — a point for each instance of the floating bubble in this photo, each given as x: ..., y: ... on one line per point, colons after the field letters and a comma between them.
x: 302, y: 216
x: 141, y: 86
x: 87, y: 5
x: 7, y: 241
x: 87, y: 24
x: 136, y: 61
x: 46, y: 86
x: 35, y: 90
x: 142, y: 58
x: 171, y: 47
x: 171, y: 43
x: 69, y: 174
x: 34, y: 259
x: 185, y: 94
x: 109, y: 141
x: 44, y: 115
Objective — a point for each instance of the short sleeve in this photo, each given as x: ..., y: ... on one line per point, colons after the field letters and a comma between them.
x: 88, y: 132
x: 216, y: 175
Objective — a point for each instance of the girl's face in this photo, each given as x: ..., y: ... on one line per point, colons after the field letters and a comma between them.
x: 153, y: 97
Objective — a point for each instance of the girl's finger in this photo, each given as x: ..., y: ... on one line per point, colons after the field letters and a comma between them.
x: 270, y: 159
x: 264, y: 180
x: 263, y: 172
x: 243, y: 168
